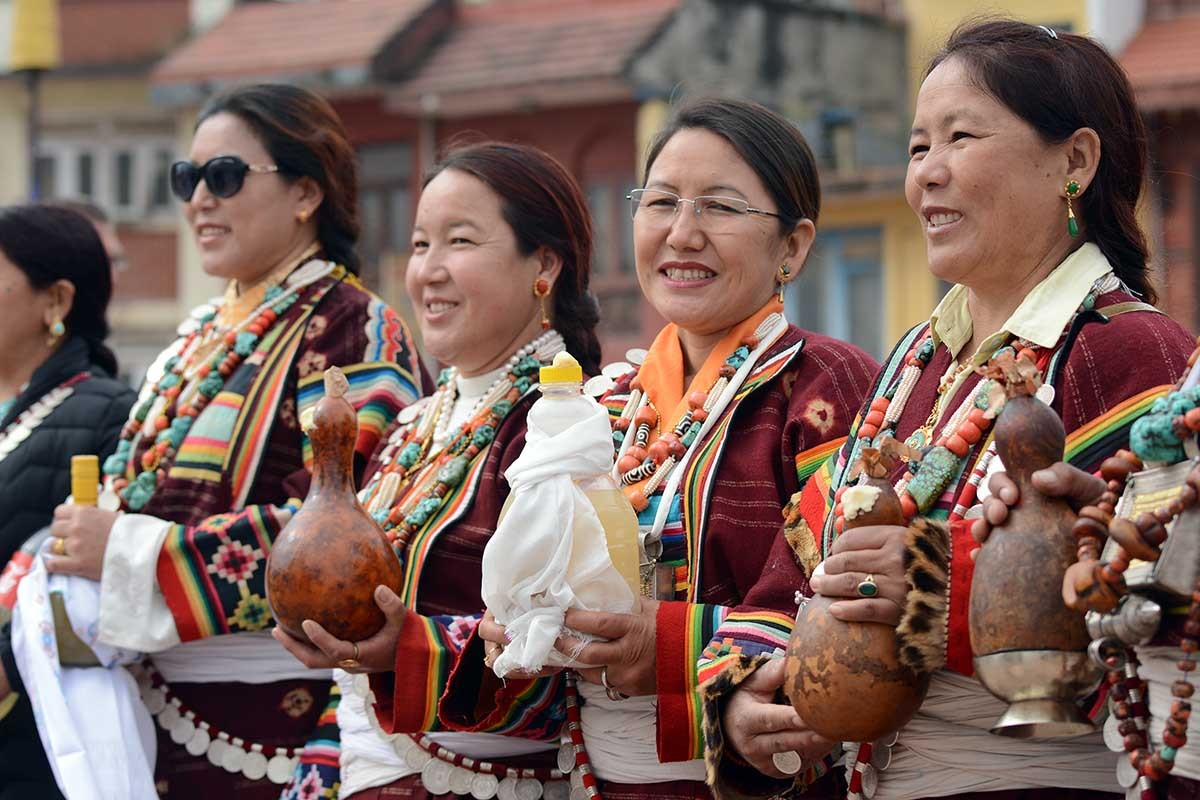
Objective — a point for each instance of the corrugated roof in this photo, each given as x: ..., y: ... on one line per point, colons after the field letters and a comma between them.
x: 535, y: 46
x: 274, y: 39
x: 1163, y: 63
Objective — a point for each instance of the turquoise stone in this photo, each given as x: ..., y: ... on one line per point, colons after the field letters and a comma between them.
x: 618, y: 438
x: 1168, y: 753
x: 522, y: 384
x: 168, y: 381
x: 527, y: 367
x: 274, y: 292
x: 444, y: 376
x: 867, y: 589
x: 500, y: 408
x: 938, y: 467
x: 483, y: 436
x: 409, y: 455
x: 926, y: 351
x: 179, y: 430
x: 244, y: 345
x: 143, y: 410
x: 1153, y: 439
x: 453, y: 472
x: 210, y: 387
x: 138, y: 493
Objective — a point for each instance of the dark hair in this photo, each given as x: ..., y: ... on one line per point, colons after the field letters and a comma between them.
x: 306, y: 139
x: 543, y: 205
x: 50, y: 244
x: 1059, y: 83
x: 773, y: 147
x: 85, y: 207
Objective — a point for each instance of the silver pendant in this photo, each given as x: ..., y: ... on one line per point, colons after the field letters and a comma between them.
x: 255, y: 766
x: 417, y: 758
x: 435, y: 776
x: 483, y: 786
x: 279, y: 769
x: 788, y: 762
x: 1127, y: 776
x: 168, y: 717
x: 616, y: 370
x: 233, y: 758
x: 507, y: 790
x: 870, y: 781
x: 556, y: 790
x: 461, y: 780
x: 198, y: 744
x: 529, y: 789
x: 182, y: 730
x: 566, y: 757
x: 598, y: 385
x: 216, y: 751
x: 636, y: 355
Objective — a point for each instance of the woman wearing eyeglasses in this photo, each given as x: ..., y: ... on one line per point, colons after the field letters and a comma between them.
x: 212, y: 460
x: 719, y: 423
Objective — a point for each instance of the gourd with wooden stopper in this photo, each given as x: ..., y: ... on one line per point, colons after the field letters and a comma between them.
x: 845, y: 679
x: 327, y: 561
x: 1029, y: 648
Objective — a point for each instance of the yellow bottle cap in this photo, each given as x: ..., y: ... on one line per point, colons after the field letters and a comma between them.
x: 565, y: 369
x: 85, y: 475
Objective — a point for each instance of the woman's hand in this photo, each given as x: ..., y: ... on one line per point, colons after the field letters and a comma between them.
x: 1061, y: 480
x: 625, y: 662
x: 875, y: 551
x: 757, y: 727
x: 80, y: 536
x: 375, y: 654
x: 495, y: 638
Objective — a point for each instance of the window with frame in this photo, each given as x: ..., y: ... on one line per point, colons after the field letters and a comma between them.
x: 840, y: 291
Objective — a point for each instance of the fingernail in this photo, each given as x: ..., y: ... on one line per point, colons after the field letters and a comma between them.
x: 307, y: 626
x: 383, y: 594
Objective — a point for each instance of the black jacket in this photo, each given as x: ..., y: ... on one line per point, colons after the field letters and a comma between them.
x: 34, y: 479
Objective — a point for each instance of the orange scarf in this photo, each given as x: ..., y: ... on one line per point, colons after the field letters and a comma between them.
x: 662, y: 372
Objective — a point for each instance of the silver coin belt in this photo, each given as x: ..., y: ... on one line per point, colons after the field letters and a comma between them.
x: 231, y: 753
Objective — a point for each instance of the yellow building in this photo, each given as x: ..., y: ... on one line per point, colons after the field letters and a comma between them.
x: 909, y: 291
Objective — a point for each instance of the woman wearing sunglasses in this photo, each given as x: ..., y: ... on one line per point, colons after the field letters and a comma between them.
x: 212, y: 459
x: 719, y: 423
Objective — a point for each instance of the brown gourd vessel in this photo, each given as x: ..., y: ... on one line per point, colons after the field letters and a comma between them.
x: 1029, y: 648
x: 845, y: 679
x: 327, y: 561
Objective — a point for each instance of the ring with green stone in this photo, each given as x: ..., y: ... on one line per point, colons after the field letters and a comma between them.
x: 868, y: 588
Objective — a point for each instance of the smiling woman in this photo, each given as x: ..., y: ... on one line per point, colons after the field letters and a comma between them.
x: 212, y: 460
x: 1027, y: 163
x: 719, y: 423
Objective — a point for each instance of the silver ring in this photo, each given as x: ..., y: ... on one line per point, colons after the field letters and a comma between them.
x: 609, y: 689
x: 788, y: 762
x: 867, y: 587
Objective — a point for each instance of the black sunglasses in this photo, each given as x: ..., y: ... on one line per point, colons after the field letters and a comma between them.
x: 224, y: 176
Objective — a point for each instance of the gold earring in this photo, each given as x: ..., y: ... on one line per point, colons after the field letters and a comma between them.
x: 57, y: 330
x: 1072, y: 190
x: 541, y: 290
x: 303, y: 217
x: 785, y: 273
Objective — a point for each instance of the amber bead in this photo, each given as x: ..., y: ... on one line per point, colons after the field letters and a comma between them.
x: 1186, y: 665
x: 627, y: 463
x: 726, y: 371
x: 1182, y: 689
x: 1177, y: 727
x: 1174, y: 740
x: 970, y: 432
x: 1138, y: 757
x: 659, y: 451
x: 880, y: 404
x: 1189, y: 645
x: 1135, y: 740
x: 646, y: 416
x: 1127, y: 727
x: 750, y: 341
x: 697, y: 400
x: 957, y: 445
x: 622, y: 424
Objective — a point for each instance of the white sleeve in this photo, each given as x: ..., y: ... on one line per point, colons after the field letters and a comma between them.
x: 133, y: 612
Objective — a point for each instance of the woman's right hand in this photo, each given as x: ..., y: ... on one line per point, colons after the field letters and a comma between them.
x: 1060, y: 480
x: 875, y: 551
x: 757, y: 727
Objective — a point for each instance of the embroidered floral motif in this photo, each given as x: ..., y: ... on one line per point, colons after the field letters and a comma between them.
x: 311, y: 362
x: 287, y: 412
x: 236, y: 561
x: 296, y: 703
x: 316, y: 326
x: 251, y: 614
x: 819, y: 413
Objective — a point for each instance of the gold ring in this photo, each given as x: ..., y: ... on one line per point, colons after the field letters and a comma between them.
x: 349, y: 663
x: 487, y: 659
x: 59, y: 548
x: 355, y: 650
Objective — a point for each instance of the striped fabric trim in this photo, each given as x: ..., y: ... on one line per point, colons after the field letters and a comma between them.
x: 746, y: 633
x: 211, y: 575
x: 701, y: 470
x: 317, y: 773
x: 378, y: 390
x: 684, y: 630
x: 428, y: 656
x: 261, y: 405
x: 202, y: 453
x: 1110, y: 431
x: 810, y: 460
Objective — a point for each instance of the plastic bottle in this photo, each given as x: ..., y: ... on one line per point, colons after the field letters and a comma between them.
x: 561, y: 386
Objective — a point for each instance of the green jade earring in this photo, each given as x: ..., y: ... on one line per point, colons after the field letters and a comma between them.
x: 1072, y: 192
